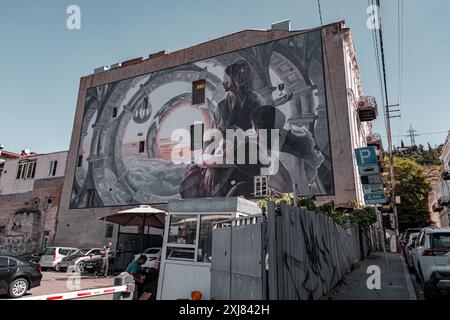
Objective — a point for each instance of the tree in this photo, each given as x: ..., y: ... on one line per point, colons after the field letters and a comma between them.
x: 402, y: 144
x: 413, y: 188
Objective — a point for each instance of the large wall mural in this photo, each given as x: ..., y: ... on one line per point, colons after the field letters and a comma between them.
x: 127, y: 144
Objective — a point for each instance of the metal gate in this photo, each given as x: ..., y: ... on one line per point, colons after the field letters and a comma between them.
x: 129, y: 244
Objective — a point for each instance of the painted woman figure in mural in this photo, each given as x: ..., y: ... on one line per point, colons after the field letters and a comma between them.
x: 231, y: 113
x: 301, y: 145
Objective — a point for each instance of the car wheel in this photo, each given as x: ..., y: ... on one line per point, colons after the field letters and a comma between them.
x: 18, y: 288
x: 57, y: 267
x: 80, y: 266
x: 427, y: 295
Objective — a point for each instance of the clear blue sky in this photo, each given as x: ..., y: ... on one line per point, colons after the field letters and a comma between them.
x: 41, y: 61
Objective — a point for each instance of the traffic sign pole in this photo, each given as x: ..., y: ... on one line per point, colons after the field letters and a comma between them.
x: 383, y: 243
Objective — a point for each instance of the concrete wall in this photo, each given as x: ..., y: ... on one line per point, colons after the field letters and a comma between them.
x: 24, y: 232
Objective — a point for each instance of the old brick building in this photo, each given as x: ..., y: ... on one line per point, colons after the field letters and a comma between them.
x: 30, y: 192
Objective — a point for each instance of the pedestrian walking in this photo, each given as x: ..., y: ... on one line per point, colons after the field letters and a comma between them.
x: 105, y: 258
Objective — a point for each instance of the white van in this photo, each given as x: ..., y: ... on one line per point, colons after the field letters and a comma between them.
x: 53, y: 256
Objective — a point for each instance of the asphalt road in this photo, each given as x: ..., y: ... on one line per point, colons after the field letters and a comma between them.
x: 59, y: 282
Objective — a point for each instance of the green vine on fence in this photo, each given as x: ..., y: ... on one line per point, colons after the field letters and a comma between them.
x: 346, y: 216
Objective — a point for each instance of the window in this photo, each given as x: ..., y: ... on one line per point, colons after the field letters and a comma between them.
x: 49, y: 204
x: 422, y: 239
x: 145, y: 104
x: 204, y: 251
x: 52, y: 169
x: 12, y: 262
x: 80, y: 161
x: 187, y: 254
x: 109, y: 231
x: 152, y: 251
x: 441, y: 241
x: 2, y: 230
x: 261, y: 187
x: 45, y: 239
x: 198, y: 92
x: 26, y: 169
x: 197, y: 131
x: 141, y: 146
x: 183, y: 229
x: 3, y: 262
x: 49, y: 251
x: 90, y: 197
x: 114, y: 112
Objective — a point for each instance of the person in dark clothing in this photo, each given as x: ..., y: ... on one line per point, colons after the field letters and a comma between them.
x: 231, y: 113
x: 301, y: 146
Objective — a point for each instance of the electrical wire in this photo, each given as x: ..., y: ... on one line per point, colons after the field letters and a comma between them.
x: 320, y: 12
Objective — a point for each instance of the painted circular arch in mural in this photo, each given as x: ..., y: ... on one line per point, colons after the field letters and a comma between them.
x: 124, y: 186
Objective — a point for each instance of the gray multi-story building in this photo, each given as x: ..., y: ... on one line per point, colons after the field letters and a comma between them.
x: 141, y: 126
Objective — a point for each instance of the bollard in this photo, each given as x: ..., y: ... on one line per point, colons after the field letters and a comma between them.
x: 124, y: 279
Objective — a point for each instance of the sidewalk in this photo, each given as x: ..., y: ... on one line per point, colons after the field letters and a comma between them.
x: 354, y: 285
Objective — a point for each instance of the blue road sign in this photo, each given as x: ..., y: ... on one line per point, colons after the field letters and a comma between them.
x: 375, y: 198
x: 366, y: 156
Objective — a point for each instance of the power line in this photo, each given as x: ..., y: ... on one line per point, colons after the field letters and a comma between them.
x: 400, y: 15
x: 427, y: 53
x: 423, y: 134
x: 320, y: 12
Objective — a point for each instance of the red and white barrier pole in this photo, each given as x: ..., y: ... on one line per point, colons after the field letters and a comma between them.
x: 80, y: 294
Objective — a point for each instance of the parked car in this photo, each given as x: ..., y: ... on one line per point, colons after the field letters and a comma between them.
x: 431, y: 260
x: 153, y: 258
x: 53, y: 256
x: 79, y: 258
x: 17, y: 276
x: 407, y: 233
x: 31, y: 257
x: 410, y: 245
x: 94, y: 265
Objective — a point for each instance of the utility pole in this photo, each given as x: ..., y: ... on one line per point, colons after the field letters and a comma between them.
x: 388, y: 116
x: 391, y: 168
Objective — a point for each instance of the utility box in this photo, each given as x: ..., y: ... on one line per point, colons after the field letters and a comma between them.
x: 187, y: 245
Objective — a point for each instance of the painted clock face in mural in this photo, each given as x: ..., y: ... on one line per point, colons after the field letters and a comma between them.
x: 131, y: 152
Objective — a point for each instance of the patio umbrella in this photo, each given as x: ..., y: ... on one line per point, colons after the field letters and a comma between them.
x: 143, y: 215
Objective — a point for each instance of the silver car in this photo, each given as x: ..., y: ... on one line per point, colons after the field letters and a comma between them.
x: 78, y: 260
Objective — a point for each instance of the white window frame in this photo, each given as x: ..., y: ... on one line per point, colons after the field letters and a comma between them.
x: 52, y: 168
x: 26, y: 170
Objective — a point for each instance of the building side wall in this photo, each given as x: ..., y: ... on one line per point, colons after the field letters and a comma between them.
x: 9, y: 184
x: 79, y: 227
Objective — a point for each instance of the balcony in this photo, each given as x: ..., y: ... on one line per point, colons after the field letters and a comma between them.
x: 445, y: 175
x: 375, y: 141
x: 443, y: 200
x: 367, y: 109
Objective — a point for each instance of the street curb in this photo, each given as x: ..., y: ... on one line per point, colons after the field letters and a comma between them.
x: 409, y: 285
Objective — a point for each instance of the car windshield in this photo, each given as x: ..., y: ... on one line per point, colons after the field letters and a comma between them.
x: 77, y: 253
x: 49, y: 251
x: 152, y: 251
x: 441, y: 241
x: 84, y: 251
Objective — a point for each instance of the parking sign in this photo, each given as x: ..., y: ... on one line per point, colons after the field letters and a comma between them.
x: 366, y: 156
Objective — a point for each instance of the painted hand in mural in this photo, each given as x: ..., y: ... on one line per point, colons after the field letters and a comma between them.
x: 283, y: 99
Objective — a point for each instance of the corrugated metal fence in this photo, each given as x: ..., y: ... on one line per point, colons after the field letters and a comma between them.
x: 296, y: 255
